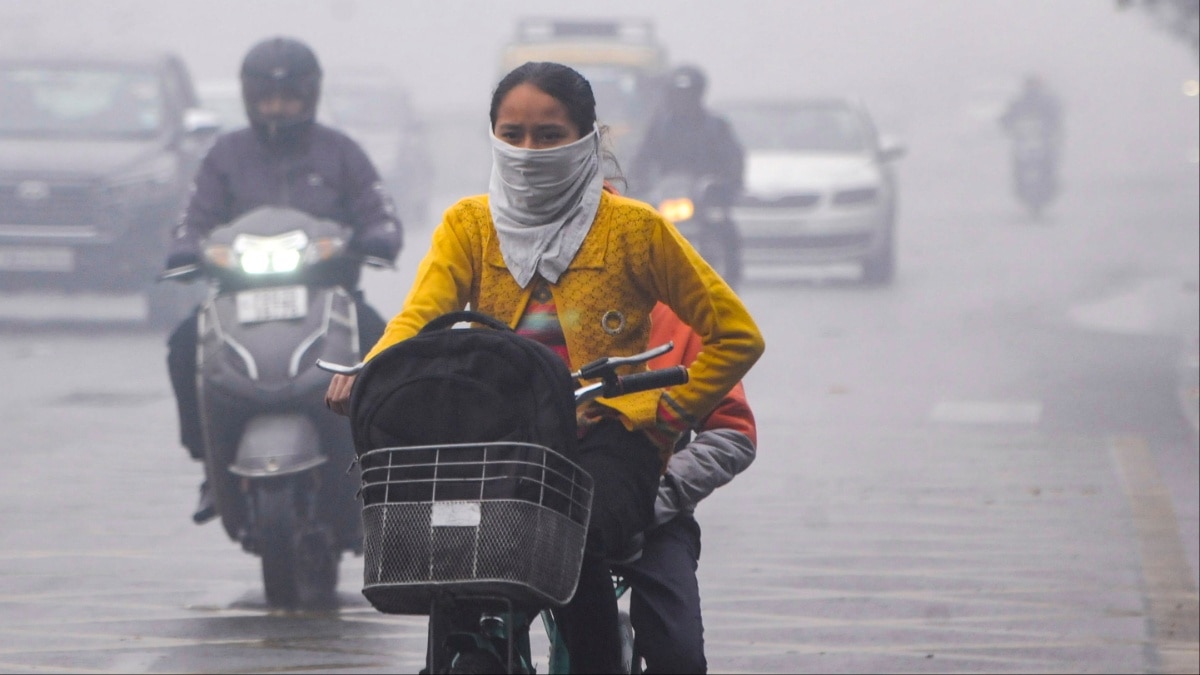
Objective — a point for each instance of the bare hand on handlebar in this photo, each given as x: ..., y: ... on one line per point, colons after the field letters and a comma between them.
x: 337, y: 397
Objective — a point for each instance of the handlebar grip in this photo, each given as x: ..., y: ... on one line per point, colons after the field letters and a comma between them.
x: 181, y: 273
x: 378, y: 263
x: 338, y: 369
x: 654, y: 379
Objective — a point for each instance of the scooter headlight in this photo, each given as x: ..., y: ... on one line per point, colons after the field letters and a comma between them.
x: 677, y: 210
x: 270, y: 255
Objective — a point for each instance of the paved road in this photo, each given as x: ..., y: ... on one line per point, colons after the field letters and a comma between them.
x: 982, y: 468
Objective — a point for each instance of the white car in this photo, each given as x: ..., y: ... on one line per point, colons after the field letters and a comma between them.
x: 819, y: 186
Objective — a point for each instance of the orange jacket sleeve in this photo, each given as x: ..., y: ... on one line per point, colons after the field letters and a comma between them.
x: 733, y: 412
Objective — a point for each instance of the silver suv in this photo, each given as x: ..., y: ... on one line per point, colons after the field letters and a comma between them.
x: 97, y: 155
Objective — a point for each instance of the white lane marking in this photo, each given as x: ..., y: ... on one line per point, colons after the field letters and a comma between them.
x: 987, y: 412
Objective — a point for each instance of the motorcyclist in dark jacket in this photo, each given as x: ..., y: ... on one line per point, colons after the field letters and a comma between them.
x: 1034, y: 102
x: 1035, y: 110
x: 684, y: 137
x: 1034, y: 122
x: 284, y: 158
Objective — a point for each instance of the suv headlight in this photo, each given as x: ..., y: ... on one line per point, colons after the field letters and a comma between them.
x: 279, y: 254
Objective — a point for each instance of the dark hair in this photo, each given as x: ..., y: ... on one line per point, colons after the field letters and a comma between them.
x: 565, y: 84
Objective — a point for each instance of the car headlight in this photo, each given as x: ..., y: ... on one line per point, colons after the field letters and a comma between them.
x: 677, y: 210
x: 279, y: 254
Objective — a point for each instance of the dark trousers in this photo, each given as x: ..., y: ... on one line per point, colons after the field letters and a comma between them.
x: 664, y: 606
x: 181, y: 365
x: 625, y: 467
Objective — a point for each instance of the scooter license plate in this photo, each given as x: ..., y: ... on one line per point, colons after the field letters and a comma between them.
x: 272, y: 304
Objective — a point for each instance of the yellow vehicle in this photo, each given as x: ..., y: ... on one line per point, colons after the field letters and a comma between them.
x: 621, y: 59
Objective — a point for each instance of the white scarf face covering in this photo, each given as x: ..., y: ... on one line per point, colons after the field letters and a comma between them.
x: 543, y: 203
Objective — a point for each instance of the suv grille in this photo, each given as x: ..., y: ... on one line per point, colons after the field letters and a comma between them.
x: 61, y: 205
x: 61, y: 212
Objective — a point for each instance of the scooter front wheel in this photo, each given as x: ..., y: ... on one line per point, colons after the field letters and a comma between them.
x: 299, y: 564
x: 276, y: 526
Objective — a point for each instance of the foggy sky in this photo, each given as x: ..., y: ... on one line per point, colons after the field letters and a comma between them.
x: 910, y: 60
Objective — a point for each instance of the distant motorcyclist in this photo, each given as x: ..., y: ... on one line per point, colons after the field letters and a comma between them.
x: 1035, y: 102
x: 685, y: 137
x: 1033, y: 120
x: 284, y: 158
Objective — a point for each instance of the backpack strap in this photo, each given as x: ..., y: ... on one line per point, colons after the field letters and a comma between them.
x: 449, y: 319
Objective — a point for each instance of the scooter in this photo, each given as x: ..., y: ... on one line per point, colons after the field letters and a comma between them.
x: 690, y: 202
x: 274, y: 456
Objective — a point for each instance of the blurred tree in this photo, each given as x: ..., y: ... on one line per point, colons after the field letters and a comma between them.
x: 1181, y: 18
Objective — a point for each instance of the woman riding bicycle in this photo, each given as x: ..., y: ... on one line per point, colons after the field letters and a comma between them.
x: 548, y: 251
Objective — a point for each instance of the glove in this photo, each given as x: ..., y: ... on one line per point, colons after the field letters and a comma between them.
x: 184, y: 250
x: 381, y: 240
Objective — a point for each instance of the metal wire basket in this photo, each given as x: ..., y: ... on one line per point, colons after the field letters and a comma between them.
x: 496, y: 519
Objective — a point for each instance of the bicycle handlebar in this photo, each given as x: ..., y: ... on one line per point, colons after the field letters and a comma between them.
x: 605, y: 366
x: 653, y: 379
x: 610, y: 386
x: 629, y: 384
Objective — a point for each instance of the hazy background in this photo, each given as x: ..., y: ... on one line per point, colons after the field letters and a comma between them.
x: 917, y: 63
x: 905, y: 501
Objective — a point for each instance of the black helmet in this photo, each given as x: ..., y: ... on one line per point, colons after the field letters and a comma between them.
x: 688, y: 79
x: 280, y: 66
x: 685, y: 91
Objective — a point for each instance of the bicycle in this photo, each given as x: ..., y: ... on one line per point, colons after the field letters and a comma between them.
x: 481, y: 537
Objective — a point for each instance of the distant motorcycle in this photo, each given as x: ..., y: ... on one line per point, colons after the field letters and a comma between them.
x: 276, y: 458
x: 1034, y: 164
x: 692, y: 204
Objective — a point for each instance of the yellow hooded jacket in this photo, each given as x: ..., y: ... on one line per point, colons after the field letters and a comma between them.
x: 630, y: 259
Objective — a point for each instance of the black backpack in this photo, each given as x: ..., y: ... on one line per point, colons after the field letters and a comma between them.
x: 464, y: 385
